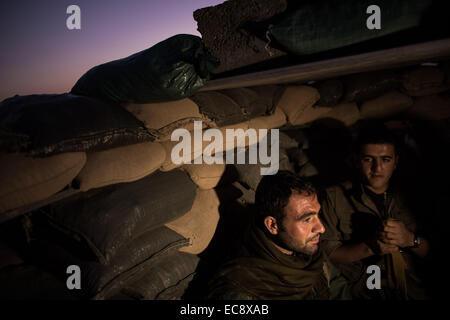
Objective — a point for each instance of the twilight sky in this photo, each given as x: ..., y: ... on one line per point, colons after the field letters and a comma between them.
x: 39, y: 54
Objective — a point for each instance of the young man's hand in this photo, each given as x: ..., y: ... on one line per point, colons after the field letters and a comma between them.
x: 378, y: 247
x: 395, y: 233
x: 385, y: 248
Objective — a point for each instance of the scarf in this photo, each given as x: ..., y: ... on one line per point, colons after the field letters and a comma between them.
x: 269, y: 274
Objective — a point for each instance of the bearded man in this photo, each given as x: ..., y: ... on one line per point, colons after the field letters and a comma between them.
x: 281, y: 257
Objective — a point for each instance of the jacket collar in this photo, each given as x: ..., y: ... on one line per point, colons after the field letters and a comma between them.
x: 359, y: 192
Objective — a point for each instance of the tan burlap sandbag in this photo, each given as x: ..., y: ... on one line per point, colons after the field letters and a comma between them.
x: 199, y: 224
x: 433, y: 107
x: 198, y: 149
x: 162, y: 118
x: 25, y: 180
x: 424, y: 81
x: 205, y: 176
x: 237, y: 143
x: 167, y: 164
x: 308, y: 170
x: 122, y: 164
x: 387, y: 105
x: 275, y: 120
x: 312, y: 114
x: 296, y: 100
x: 345, y: 113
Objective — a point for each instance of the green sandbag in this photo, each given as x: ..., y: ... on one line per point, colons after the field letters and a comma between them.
x: 99, y: 281
x: 166, y: 280
x: 46, y: 124
x: 110, y: 217
x: 170, y: 70
x: 324, y: 25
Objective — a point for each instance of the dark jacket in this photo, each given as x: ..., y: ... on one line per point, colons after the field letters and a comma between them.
x: 351, y: 216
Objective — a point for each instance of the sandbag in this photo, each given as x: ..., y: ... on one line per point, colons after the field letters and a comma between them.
x: 311, y: 29
x: 205, y: 176
x: 312, y: 114
x: 276, y: 120
x: 296, y: 100
x: 134, y: 259
x: 219, y: 107
x: 298, y: 158
x: 170, y: 70
x: 101, y: 281
x: 250, y: 174
x: 345, y: 113
x: 244, y: 126
x: 107, y: 218
x: 330, y: 91
x: 424, y: 81
x: 197, y: 150
x: 387, y: 105
x: 168, y: 164
x: 162, y: 118
x: 199, y: 224
x: 168, y: 280
x: 231, y: 106
x: 56, y: 123
x: 286, y: 142
x: 434, y: 107
x: 369, y: 85
x: 122, y: 164
x: 257, y: 100
x: 299, y: 136
x: 28, y: 282
x: 248, y: 195
x: 308, y: 170
x: 25, y: 180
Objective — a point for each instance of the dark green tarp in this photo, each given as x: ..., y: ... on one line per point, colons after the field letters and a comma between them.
x: 170, y: 70
x: 319, y: 26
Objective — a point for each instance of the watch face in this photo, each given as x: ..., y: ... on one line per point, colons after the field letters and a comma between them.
x: 416, y: 242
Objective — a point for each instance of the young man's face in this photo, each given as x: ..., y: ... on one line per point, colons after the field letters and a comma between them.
x: 301, y: 226
x: 377, y: 163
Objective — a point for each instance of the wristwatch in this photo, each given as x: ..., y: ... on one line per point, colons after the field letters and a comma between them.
x: 416, y: 241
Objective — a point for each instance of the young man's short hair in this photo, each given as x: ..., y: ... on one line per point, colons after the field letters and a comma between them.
x: 375, y: 134
x: 274, y: 191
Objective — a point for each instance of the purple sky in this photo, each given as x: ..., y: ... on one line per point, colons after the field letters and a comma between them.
x: 40, y: 55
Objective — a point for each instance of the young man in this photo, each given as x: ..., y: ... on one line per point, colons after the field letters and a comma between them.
x: 368, y: 223
x: 281, y: 258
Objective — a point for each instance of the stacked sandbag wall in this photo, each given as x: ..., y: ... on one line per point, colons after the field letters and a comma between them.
x: 140, y: 223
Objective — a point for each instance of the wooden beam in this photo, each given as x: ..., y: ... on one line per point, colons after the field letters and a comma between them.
x: 377, y: 60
